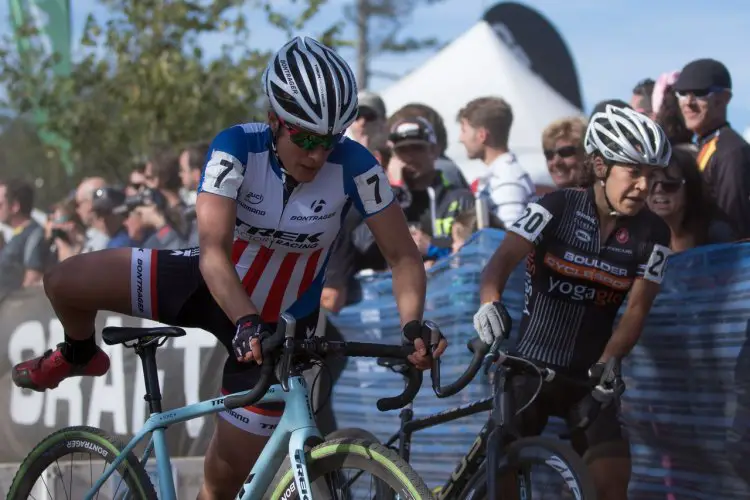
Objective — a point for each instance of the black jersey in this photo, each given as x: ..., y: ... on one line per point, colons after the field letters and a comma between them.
x: 574, y: 283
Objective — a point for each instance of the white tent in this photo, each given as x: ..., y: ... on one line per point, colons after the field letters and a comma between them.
x: 479, y: 64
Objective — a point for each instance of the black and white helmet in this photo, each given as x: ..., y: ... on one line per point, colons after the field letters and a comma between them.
x: 623, y: 135
x: 310, y: 86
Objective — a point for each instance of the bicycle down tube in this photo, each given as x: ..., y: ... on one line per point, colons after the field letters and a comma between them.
x: 469, y: 463
x: 297, y: 425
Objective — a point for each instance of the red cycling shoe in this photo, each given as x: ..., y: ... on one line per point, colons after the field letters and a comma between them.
x: 48, y: 370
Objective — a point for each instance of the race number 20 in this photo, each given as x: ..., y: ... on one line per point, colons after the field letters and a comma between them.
x: 533, y: 221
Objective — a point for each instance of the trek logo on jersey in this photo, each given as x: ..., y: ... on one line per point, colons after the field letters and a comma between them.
x: 275, y: 237
x: 585, y: 293
x: 582, y: 271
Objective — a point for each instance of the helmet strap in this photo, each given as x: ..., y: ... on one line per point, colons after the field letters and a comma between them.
x: 603, y: 182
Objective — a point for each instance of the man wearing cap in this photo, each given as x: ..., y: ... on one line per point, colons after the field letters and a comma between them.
x: 370, y: 118
x: 434, y: 201
x: 704, y: 89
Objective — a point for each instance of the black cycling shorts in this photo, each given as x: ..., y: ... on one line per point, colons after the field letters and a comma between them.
x: 167, y: 286
x: 605, y: 437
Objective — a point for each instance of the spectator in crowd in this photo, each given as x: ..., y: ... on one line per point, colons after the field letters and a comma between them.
x: 191, y: 161
x: 95, y: 239
x: 668, y: 115
x: 485, y: 128
x: 463, y: 227
x: 448, y: 167
x: 24, y: 257
x: 679, y: 195
x: 704, y: 89
x: 370, y: 118
x: 641, y: 98
x: 434, y: 202
x: 163, y: 209
x: 162, y: 173
x: 65, y: 231
x: 136, y: 181
x: 108, y: 205
x: 562, y: 142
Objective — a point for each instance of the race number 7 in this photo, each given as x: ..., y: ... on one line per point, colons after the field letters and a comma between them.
x: 375, y: 179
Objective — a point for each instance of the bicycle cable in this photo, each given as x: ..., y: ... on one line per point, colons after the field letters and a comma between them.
x: 539, y: 387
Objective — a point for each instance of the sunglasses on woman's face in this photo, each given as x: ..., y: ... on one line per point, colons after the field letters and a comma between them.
x: 563, y: 152
x: 310, y: 141
x: 667, y: 185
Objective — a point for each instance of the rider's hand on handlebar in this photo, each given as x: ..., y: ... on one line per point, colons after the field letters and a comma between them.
x: 415, y: 332
x: 491, y: 321
x: 608, y: 383
x: 251, y: 330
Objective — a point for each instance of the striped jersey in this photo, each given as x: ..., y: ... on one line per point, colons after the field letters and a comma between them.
x: 575, y: 284
x: 284, y: 231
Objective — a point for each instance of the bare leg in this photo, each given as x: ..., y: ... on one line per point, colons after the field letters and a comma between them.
x: 81, y: 286
x: 231, y: 454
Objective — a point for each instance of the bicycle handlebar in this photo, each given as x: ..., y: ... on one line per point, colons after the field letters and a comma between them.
x: 283, y: 345
x: 479, y: 350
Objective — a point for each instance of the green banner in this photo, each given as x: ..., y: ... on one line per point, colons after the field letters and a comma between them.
x: 51, y: 18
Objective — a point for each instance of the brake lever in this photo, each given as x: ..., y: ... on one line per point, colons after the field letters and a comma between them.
x: 288, y: 323
x: 492, y: 355
x: 435, y: 336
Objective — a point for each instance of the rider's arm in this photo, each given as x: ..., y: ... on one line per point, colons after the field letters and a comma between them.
x: 521, y: 237
x: 645, y: 288
x: 497, y: 271
x: 397, y: 246
x: 628, y: 330
x: 216, y: 211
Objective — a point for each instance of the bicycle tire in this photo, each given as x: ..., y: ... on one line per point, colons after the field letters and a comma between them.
x: 537, y: 451
x: 86, y: 440
x: 329, y: 456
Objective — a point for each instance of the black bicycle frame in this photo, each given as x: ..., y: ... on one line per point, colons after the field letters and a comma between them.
x: 470, y: 463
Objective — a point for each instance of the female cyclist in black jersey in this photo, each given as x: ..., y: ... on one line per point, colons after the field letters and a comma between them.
x: 586, y: 250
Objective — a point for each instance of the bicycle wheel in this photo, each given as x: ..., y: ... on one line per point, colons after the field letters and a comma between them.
x: 556, y: 456
x: 96, y: 450
x: 327, y: 462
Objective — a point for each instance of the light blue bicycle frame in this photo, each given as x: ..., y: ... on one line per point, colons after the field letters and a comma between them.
x: 297, y: 425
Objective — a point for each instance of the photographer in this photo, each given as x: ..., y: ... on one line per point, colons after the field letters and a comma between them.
x: 64, y: 231
x: 108, y: 205
x: 169, y: 227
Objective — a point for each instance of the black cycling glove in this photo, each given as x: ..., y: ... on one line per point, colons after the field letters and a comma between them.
x: 248, y: 327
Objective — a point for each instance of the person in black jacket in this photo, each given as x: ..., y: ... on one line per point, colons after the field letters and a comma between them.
x: 704, y: 90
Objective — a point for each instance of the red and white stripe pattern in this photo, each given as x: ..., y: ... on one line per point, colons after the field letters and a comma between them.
x: 274, y: 278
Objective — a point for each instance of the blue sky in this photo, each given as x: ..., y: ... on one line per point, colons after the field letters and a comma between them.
x: 614, y: 43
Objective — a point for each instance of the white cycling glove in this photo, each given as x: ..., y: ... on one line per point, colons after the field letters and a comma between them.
x: 492, y: 320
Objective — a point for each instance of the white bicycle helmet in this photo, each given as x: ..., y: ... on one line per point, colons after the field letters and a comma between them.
x: 623, y: 135
x: 310, y: 86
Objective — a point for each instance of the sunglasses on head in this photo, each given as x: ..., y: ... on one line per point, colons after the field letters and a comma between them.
x: 564, y: 152
x: 699, y: 93
x: 667, y: 185
x: 310, y: 141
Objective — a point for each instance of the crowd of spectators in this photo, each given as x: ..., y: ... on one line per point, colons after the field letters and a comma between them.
x: 704, y: 195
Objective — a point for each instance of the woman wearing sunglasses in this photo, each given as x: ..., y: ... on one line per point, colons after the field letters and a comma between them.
x: 694, y: 223
x: 562, y: 141
x: 269, y: 207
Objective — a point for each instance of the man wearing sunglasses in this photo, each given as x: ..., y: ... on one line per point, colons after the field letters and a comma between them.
x: 704, y: 89
x: 269, y: 206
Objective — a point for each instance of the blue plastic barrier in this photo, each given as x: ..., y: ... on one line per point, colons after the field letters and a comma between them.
x: 687, y: 406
